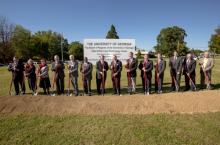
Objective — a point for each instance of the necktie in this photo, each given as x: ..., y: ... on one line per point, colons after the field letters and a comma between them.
x: 188, y: 62
x: 102, y: 65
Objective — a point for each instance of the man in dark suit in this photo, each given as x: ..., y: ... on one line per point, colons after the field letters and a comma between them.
x: 189, y: 72
x: 17, y: 69
x: 101, y: 74
x: 86, y: 70
x: 206, y: 65
x: 175, y: 64
x: 146, y: 67
x: 131, y: 67
x: 58, y: 69
x: 160, y: 67
x: 116, y: 67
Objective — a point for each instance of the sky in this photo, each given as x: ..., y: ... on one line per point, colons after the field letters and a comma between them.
x: 141, y: 20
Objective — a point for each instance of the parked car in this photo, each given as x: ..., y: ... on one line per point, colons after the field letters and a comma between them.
x: 1, y: 64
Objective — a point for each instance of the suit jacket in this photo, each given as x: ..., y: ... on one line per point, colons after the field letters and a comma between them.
x: 73, y: 68
x: 30, y: 71
x: 58, y: 68
x: 176, y: 65
x: 17, y: 70
x: 87, y: 70
x: 148, y: 66
x: 99, y: 68
x: 132, y: 66
x: 43, y: 70
x: 116, y: 68
x: 208, y: 67
x: 189, y: 67
x: 160, y: 67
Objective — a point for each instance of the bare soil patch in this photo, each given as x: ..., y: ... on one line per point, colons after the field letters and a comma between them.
x: 187, y: 102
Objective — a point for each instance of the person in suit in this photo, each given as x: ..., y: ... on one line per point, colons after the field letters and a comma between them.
x: 146, y: 67
x: 43, y: 74
x: 73, y: 73
x: 17, y: 69
x: 206, y: 65
x: 58, y: 69
x: 31, y: 75
x: 131, y: 67
x: 175, y: 64
x: 160, y: 67
x: 189, y: 72
x: 86, y: 70
x: 101, y: 74
x: 116, y: 68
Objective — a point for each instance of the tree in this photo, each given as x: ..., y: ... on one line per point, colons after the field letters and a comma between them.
x: 21, y: 42
x: 65, y: 49
x: 170, y: 39
x: 76, y: 48
x: 41, y: 44
x: 48, y: 44
x: 214, y: 42
x: 6, y: 32
x: 197, y: 52
x: 138, y: 55
x: 112, y: 34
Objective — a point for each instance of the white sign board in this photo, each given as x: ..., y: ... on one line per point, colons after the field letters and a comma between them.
x: 93, y: 48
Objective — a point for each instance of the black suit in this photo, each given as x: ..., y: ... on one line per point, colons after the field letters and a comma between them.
x: 148, y: 65
x: 116, y: 67
x: 189, y: 68
x: 31, y: 75
x: 17, y: 70
x: 58, y: 69
x: 99, y: 78
x: 132, y: 66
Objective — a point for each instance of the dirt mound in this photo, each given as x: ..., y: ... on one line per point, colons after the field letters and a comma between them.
x: 188, y: 102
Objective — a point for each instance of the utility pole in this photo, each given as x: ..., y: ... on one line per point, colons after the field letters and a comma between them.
x: 178, y: 46
x: 214, y: 55
x: 61, y: 45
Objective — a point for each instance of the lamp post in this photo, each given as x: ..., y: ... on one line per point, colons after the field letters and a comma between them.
x: 61, y: 45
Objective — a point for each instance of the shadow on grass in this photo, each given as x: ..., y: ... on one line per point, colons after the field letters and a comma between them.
x: 139, y: 89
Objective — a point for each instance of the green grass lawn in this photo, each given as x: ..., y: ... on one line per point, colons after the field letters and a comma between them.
x: 155, y: 129
x: 6, y: 79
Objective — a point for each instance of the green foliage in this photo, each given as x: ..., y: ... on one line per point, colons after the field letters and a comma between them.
x: 41, y: 47
x: 112, y: 33
x: 170, y: 39
x: 138, y: 55
x: 76, y: 48
x: 21, y: 42
x: 214, y: 43
x: 197, y: 52
x: 48, y: 44
x: 45, y: 44
x: 16, y: 40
